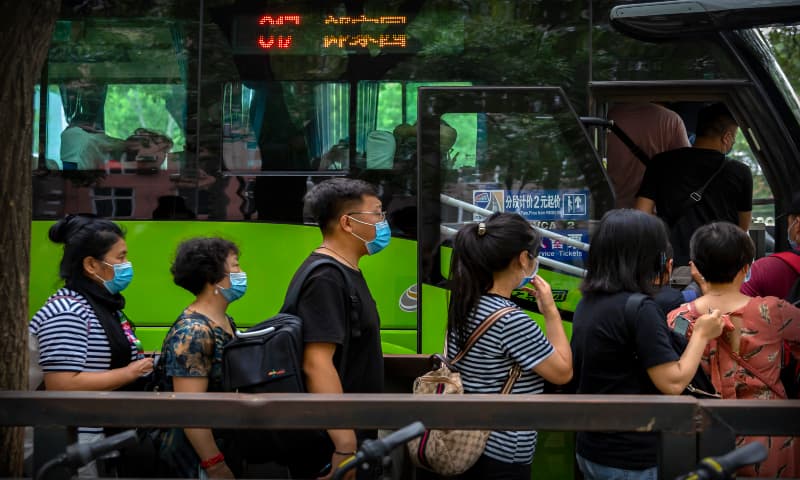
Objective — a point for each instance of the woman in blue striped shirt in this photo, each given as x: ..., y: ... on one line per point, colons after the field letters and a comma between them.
x: 84, y: 339
x: 490, y: 260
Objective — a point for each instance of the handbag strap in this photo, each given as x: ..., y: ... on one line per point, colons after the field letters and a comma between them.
x: 482, y: 328
x: 748, y: 367
x: 744, y: 363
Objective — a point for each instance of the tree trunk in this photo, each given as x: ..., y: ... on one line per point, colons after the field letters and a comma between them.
x: 26, y: 28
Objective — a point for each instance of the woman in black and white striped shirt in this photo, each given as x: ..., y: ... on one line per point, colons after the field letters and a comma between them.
x: 490, y: 260
x: 85, y: 340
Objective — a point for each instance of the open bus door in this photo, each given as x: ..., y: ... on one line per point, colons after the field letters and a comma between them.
x: 532, y: 156
x: 761, y: 100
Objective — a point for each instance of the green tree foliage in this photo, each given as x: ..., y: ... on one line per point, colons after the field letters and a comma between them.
x: 786, y: 47
x: 129, y: 107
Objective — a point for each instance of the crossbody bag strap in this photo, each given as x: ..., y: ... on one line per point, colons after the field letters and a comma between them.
x: 747, y: 366
x: 696, y: 196
x: 482, y: 328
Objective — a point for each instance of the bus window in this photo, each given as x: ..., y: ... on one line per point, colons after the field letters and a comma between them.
x: 55, y: 123
x: 285, y: 126
x: 150, y: 106
x: 532, y: 156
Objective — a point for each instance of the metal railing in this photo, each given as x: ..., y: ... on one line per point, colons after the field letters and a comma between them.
x: 689, y: 429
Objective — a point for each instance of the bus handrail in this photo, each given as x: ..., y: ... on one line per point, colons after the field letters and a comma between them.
x: 564, y: 267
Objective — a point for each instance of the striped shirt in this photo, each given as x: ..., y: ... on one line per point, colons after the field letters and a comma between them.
x: 71, y: 338
x: 514, y: 338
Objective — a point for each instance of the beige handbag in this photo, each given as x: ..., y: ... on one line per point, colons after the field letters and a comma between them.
x: 452, y: 452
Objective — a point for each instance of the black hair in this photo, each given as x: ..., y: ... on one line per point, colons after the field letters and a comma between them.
x: 330, y: 199
x: 627, y: 253
x: 480, y: 250
x: 83, y: 235
x: 720, y: 250
x: 714, y: 120
x: 200, y: 261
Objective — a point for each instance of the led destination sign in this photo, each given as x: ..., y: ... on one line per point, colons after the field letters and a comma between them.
x: 326, y: 34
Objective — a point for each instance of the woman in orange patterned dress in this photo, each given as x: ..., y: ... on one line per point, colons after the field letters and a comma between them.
x: 744, y: 362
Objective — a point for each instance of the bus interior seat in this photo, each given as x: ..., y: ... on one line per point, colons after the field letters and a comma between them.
x: 380, y: 150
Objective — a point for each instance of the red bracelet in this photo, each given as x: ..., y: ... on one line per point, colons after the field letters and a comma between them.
x: 210, y: 462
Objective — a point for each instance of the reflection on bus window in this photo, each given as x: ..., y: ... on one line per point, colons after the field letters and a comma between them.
x: 285, y: 126
x: 56, y: 123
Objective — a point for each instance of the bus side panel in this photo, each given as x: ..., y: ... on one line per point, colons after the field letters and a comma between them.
x: 270, y: 254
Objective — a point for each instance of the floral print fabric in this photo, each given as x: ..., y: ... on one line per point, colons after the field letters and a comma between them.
x: 766, y: 322
x: 192, y: 348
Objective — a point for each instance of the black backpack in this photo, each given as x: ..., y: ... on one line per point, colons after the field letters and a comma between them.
x: 268, y: 358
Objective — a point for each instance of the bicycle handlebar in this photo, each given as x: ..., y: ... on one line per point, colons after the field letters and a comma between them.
x: 724, y: 466
x: 372, y: 450
x: 80, y: 454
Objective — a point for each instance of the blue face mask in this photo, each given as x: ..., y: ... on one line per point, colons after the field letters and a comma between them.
x: 123, y: 274
x: 747, y: 275
x: 529, y: 278
x: 383, y: 234
x: 237, y: 289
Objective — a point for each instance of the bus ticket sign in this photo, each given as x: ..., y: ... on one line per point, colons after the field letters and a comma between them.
x: 557, y: 250
x: 549, y: 205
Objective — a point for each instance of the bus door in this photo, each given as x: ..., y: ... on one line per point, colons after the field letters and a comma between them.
x: 761, y: 100
x: 527, y: 152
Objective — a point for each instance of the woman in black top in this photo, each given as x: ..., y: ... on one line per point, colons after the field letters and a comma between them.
x: 615, y: 356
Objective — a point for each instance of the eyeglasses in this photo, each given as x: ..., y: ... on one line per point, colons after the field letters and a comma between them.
x: 382, y: 215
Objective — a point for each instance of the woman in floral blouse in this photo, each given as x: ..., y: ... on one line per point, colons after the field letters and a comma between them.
x: 192, y: 351
x: 744, y: 362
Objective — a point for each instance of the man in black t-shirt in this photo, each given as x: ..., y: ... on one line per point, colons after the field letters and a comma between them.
x: 673, y: 176
x: 336, y: 360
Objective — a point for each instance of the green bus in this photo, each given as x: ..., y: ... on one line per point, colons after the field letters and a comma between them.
x: 215, y: 117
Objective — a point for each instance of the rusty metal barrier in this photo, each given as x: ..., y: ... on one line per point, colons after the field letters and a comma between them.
x: 689, y: 429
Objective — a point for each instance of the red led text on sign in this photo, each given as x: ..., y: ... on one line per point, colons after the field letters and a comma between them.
x: 283, y: 42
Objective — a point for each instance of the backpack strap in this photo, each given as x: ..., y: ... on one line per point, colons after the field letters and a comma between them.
x: 352, y: 315
x: 624, y: 138
x: 632, y: 306
x: 790, y: 258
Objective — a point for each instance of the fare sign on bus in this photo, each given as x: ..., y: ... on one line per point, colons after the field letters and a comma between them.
x: 536, y: 205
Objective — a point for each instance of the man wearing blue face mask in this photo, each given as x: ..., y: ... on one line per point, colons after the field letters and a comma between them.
x: 338, y: 359
x: 776, y: 274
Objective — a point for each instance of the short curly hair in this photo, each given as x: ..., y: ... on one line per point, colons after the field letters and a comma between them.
x: 200, y: 261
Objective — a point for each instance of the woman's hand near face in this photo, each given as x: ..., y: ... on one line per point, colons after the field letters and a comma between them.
x: 543, y: 293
